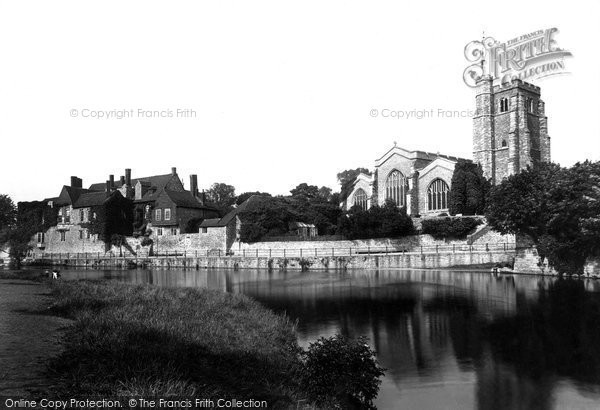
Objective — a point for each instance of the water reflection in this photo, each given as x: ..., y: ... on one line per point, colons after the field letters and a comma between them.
x: 448, y: 339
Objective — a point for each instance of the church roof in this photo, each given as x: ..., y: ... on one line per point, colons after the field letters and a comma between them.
x: 414, y: 155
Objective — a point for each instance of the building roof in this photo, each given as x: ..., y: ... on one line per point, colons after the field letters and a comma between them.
x: 91, y: 199
x: 210, y: 223
x: 302, y: 225
x: 413, y: 155
x: 184, y: 199
x: 69, y: 195
x: 159, y: 181
x: 246, y: 205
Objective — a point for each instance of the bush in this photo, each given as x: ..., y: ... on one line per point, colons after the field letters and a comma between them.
x: 341, y: 373
x: 442, y: 228
x: 386, y: 221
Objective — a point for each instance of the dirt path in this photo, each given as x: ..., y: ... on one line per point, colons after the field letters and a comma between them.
x: 27, y: 339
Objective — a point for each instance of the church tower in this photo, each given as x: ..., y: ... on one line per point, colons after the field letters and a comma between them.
x: 510, y: 128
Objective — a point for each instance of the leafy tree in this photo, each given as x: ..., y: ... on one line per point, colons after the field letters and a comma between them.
x: 339, y: 372
x: 557, y: 208
x: 325, y: 193
x: 305, y: 191
x: 221, y: 196
x: 346, y: 179
x: 272, y: 216
x: 8, y: 213
x: 468, y: 190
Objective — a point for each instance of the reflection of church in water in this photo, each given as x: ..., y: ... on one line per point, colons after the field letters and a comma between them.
x: 509, y: 133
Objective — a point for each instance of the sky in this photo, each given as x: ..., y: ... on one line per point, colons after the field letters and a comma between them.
x: 276, y: 93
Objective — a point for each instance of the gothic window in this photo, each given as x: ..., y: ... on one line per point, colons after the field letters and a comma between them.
x: 437, y: 195
x: 360, y: 199
x: 503, y: 104
x: 530, y: 105
x: 395, y: 188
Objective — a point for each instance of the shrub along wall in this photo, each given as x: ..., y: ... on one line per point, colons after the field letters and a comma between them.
x: 450, y: 227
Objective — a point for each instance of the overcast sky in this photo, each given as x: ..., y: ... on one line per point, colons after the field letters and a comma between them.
x: 282, y: 90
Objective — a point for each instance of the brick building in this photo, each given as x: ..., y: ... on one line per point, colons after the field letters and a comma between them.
x: 510, y: 132
x: 160, y: 203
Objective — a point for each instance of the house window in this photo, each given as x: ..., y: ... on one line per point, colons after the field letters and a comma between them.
x: 82, y: 215
x: 395, y: 188
x: 204, y: 230
x: 158, y: 214
x: 173, y: 231
x: 63, y: 236
x: 68, y: 215
x: 360, y: 199
x: 88, y: 234
x: 167, y: 214
x: 437, y: 195
x: 41, y: 237
x: 159, y: 232
x: 503, y: 104
x: 81, y: 234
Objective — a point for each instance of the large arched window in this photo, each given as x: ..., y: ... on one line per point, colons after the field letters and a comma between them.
x: 360, y: 199
x: 437, y: 195
x: 395, y: 188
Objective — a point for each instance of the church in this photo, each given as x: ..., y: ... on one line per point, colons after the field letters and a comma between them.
x: 510, y: 132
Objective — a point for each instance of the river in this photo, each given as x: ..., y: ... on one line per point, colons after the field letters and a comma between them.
x: 448, y: 339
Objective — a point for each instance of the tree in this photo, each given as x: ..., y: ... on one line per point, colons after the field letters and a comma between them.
x: 468, y: 190
x: 557, y: 208
x: 346, y: 179
x: 222, y: 197
x: 305, y: 191
x: 8, y: 213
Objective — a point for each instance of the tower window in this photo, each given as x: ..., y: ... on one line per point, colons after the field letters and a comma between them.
x: 530, y: 105
x: 395, y: 188
x: 437, y: 195
x: 504, y: 143
x: 360, y: 199
x: 503, y: 104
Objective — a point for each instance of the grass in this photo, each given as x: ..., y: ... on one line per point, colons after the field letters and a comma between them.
x: 153, y: 341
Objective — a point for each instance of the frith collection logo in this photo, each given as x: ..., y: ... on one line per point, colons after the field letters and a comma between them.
x: 527, y: 57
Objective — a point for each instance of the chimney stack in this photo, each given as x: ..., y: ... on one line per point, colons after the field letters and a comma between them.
x: 111, y: 178
x: 76, y: 182
x: 194, y: 185
x: 122, y: 180
x: 173, y: 171
x: 128, y: 176
x: 108, y: 186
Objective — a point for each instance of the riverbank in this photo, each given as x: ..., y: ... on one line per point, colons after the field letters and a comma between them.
x: 137, y: 340
x: 22, y: 319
